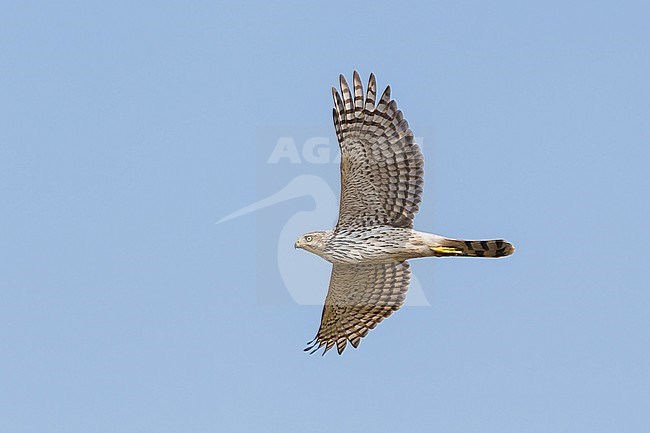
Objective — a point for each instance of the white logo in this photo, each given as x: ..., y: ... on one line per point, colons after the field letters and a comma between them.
x: 304, y: 275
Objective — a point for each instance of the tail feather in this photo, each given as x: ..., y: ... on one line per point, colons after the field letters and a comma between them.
x: 455, y: 247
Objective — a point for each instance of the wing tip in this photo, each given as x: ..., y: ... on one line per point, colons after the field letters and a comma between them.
x: 314, y: 345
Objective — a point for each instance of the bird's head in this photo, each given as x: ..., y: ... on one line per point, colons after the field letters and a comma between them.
x: 314, y: 242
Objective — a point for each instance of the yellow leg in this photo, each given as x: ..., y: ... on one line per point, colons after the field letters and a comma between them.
x: 446, y: 251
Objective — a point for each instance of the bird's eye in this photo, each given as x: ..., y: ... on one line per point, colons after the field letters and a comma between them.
x: 308, y: 238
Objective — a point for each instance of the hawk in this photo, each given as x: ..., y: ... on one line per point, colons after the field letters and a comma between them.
x: 382, y: 172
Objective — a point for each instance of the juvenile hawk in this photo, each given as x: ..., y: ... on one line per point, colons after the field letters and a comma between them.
x: 382, y: 172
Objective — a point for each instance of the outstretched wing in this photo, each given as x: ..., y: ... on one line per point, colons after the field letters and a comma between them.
x: 359, y: 297
x: 382, y: 168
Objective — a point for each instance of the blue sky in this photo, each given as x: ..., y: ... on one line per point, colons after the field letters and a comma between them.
x: 127, y: 130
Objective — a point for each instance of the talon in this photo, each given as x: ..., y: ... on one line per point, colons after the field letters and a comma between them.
x: 447, y: 251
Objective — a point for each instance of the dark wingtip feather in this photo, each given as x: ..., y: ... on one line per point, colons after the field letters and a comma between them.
x: 318, y: 347
x: 342, y: 82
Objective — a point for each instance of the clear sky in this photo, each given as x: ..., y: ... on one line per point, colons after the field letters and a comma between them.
x: 127, y: 130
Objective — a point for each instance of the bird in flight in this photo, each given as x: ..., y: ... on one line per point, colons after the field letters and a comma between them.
x: 382, y: 171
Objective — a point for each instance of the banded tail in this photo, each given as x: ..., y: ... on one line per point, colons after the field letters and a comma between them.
x: 453, y: 247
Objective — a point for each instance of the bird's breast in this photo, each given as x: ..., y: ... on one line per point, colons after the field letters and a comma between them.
x: 370, y: 245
